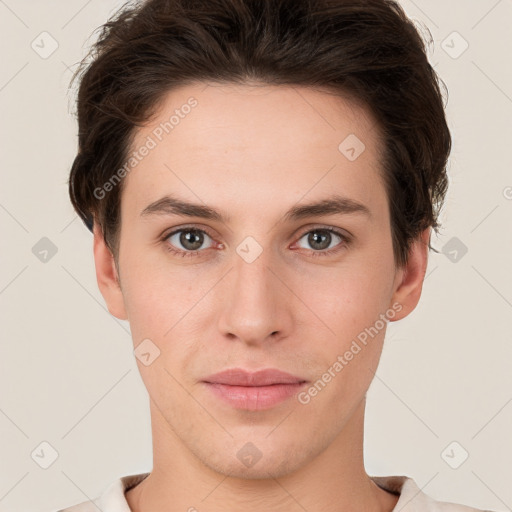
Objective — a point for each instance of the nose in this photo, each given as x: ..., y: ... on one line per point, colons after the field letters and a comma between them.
x: 255, y: 304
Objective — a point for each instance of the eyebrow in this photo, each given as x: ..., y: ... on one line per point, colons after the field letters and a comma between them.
x: 332, y: 205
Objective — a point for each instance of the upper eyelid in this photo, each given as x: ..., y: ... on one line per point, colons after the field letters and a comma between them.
x: 186, y: 228
x: 306, y: 230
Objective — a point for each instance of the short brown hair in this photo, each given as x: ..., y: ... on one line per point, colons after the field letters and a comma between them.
x: 366, y: 49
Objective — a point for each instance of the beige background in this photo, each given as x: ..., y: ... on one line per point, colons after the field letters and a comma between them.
x: 68, y: 376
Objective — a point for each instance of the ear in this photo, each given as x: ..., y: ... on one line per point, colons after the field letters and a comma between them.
x: 107, y: 277
x: 409, y: 279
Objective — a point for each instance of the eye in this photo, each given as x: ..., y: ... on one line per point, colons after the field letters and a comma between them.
x: 186, y: 241
x: 321, y: 240
x: 189, y: 241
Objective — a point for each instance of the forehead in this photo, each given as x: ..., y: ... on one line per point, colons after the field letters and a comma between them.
x: 322, y: 116
x: 259, y: 142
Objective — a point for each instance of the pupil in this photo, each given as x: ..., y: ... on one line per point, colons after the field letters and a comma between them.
x: 314, y: 236
x: 187, y: 239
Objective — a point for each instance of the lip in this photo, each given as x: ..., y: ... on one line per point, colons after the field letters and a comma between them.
x: 241, y: 377
x: 253, y: 390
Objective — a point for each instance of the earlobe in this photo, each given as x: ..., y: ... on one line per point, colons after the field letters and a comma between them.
x: 107, y: 277
x: 409, y: 279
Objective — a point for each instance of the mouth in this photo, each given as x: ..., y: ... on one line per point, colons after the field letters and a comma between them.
x: 253, y: 391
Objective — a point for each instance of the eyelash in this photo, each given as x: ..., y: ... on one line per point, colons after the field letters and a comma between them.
x: 345, y: 241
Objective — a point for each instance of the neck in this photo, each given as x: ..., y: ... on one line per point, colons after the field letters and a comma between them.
x: 332, y: 481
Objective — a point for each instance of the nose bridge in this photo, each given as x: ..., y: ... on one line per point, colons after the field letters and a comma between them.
x: 254, y: 305
x: 252, y: 274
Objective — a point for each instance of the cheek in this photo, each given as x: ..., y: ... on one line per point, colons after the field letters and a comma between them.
x: 163, y: 302
x: 150, y: 299
x: 350, y: 310
x: 344, y: 300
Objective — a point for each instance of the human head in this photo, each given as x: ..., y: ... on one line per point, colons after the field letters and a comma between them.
x: 368, y: 51
x: 264, y: 113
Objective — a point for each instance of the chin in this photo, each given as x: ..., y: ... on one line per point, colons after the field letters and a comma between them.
x: 255, y: 460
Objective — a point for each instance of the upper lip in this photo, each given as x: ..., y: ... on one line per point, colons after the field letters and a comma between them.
x: 241, y: 377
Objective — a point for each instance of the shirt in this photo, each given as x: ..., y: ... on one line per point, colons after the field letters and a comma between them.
x: 412, y: 498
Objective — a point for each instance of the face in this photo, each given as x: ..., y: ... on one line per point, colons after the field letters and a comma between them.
x: 252, y: 278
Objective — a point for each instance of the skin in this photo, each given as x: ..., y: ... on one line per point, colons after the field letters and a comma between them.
x: 253, y: 152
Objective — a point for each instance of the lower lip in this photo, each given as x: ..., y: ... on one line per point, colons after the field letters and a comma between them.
x: 254, y: 398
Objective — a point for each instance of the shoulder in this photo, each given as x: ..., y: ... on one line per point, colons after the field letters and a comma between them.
x: 86, y: 506
x: 413, y: 499
x: 112, y: 499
